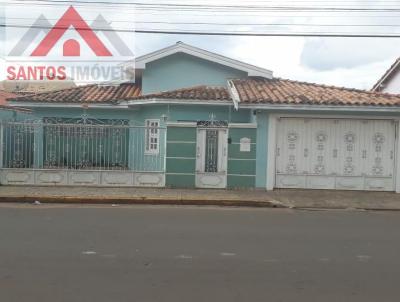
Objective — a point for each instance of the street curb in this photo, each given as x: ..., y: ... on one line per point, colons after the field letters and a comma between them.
x: 320, y: 208
x: 142, y: 201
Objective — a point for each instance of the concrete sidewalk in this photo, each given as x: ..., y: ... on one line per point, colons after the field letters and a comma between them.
x: 300, y: 199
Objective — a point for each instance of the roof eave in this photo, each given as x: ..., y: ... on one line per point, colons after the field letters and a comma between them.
x: 21, y: 110
x: 67, y: 104
x: 137, y: 102
x: 300, y: 107
x: 386, y: 76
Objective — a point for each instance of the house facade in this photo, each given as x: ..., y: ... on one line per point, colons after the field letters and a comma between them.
x: 8, y: 113
x: 390, y: 81
x: 196, y: 119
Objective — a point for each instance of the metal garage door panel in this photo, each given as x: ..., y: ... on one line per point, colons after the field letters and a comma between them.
x: 350, y: 183
x: 321, y: 182
x: 335, y: 153
x: 288, y: 147
x: 380, y: 155
x: 291, y: 181
x: 379, y: 184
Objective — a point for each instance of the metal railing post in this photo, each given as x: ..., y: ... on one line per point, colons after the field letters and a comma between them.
x: 38, y: 145
x: 131, y: 143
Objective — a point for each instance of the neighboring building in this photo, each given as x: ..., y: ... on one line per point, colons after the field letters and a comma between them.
x: 390, y: 81
x: 7, y: 112
x: 35, y: 86
x: 4, y: 95
x: 198, y: 119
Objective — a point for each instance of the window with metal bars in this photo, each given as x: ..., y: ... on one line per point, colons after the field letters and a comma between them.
x: 152, y: 136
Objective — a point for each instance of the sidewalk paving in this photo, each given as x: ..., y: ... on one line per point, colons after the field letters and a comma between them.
x: 299, y: 199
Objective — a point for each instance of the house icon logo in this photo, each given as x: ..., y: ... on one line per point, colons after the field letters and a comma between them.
x: 71, y: 48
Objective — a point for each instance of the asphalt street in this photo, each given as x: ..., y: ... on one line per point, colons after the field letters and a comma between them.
x: 172, y: 254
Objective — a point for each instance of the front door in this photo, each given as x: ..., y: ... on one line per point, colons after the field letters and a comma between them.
x: 211, y: 163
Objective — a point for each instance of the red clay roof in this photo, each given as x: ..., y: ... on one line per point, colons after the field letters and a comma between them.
x: 85, y: 94
x: 280, y: 91
x: 387, y: 75
x: 4, y: 95
x: 251, y: 91
x: 204, y: 93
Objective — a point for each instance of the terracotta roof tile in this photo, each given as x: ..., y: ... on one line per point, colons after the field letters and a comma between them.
x: 110, y: 94
x: 251, y: 91
x: 84, y: 94
x: 204, y: 93
x: 280, y: 91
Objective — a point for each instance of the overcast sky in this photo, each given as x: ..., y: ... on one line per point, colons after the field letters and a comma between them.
x: 350, y: 62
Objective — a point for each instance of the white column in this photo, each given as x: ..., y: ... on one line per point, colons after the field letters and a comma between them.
x: 397, y: 158
x: 1, y: 145
x: 271, y: 151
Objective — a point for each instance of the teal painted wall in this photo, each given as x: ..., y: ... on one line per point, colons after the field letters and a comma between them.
x: 243, y: 170
x: 181, y: 70
x: 262, y: 150
x: 241, y: 165
x: 10, y: 115
x: 201, y: 113
x: 137, y: 158
x: 181, y: 157
x: 6, y: 115
x: 137, y: 115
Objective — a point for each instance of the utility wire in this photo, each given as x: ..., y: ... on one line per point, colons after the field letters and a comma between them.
x: 228, y: 24
x: 214, y: 7
x: 226, y: 33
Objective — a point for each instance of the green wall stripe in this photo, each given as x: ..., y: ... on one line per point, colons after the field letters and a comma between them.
x: 181, y: 165
x: 180, y: 173
x: 238, y: 182
x: 240, y: 167
x: 237, y: 133
x: 234, y: 152
x: 180, y: 180
x: 172, y: 157
x: 181, y: 150
x: 241, y: 175
x: 181, y: 134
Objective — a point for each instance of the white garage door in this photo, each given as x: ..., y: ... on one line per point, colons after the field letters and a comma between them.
x: 343, y: 154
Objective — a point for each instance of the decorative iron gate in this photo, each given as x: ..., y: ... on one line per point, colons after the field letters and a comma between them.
x: 100, y: 148
x: 211, y: 154
x: 18, y: 145
x: 86, y: 146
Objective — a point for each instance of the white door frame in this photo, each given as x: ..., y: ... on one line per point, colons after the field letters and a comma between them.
x: 272, y: 140
x: 222, y: 174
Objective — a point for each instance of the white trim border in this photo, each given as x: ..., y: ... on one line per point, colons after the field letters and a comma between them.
x: 182, y: 124
x: 242, y: 125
